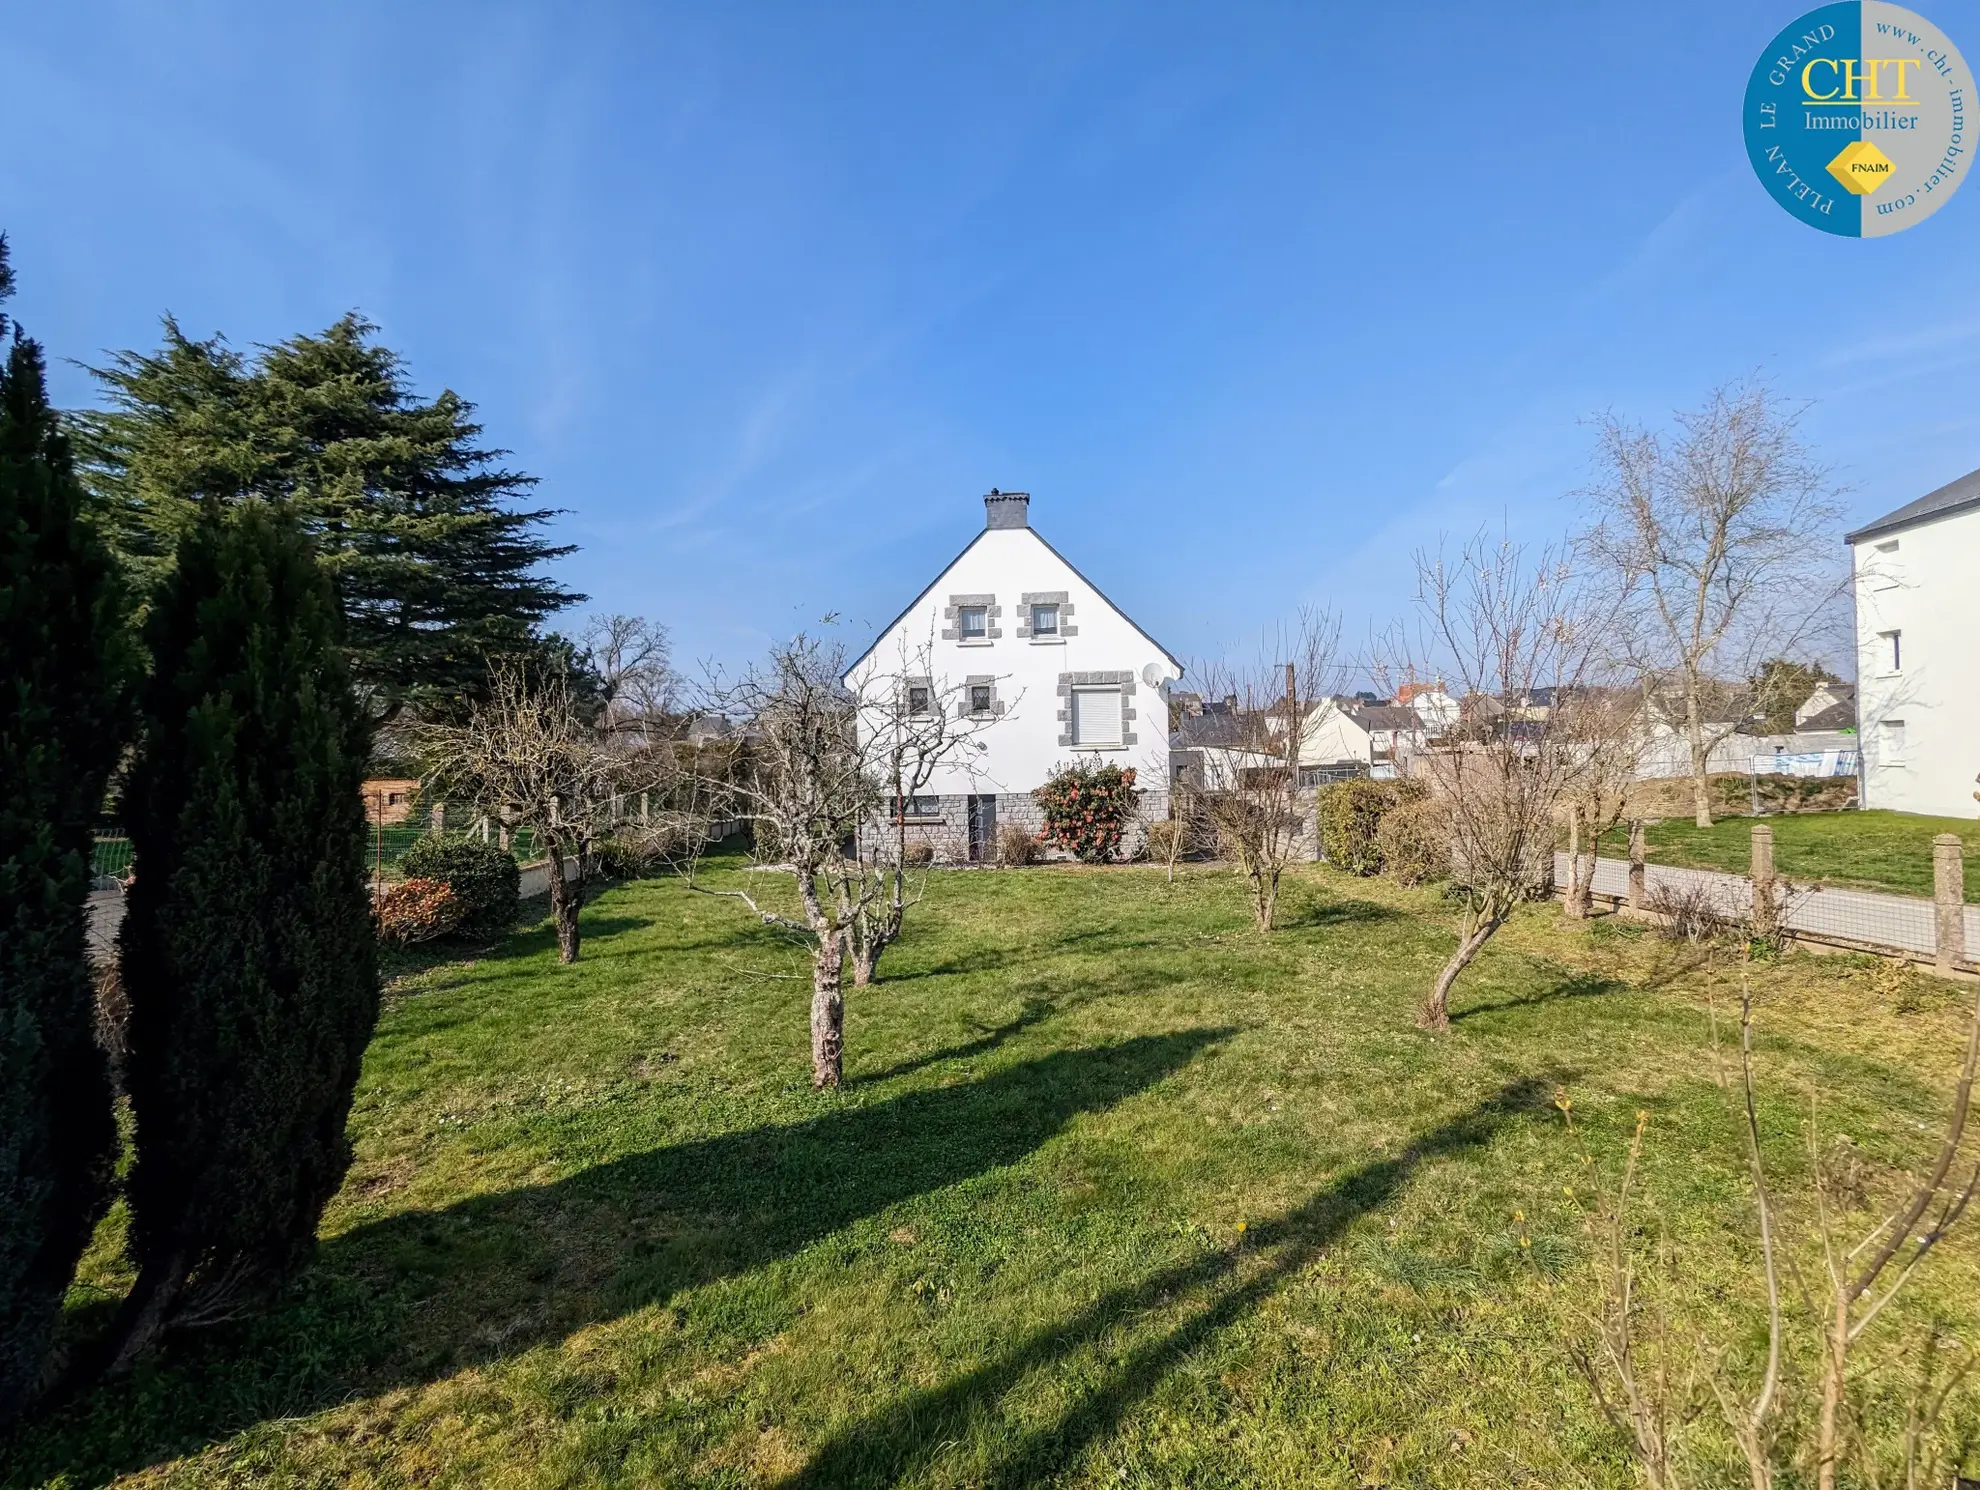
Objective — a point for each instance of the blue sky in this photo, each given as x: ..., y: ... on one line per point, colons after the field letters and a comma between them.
x: 1253, y: 299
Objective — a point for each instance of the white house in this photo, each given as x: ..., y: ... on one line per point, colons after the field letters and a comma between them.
x: 1014, y: 634
x: 1917, y: 583
x: 1343, y: 737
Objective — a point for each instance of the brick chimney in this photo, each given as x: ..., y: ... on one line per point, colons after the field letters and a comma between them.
x: 1007, y: 509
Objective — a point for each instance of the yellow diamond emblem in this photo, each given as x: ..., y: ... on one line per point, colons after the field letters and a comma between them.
x: 1861, y: 167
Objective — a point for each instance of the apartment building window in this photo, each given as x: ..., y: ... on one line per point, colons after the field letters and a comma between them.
x: 973, y: 623
x: 1893, y: 648
x: 1892, y: 736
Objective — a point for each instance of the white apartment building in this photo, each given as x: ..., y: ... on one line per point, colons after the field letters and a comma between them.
x: 1917, y: 588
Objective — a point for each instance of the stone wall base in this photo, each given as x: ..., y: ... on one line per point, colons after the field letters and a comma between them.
x: 947, y: 833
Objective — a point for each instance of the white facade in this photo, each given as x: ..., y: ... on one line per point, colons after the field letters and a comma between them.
x: 1917, y: 583
x: 1093, y: 686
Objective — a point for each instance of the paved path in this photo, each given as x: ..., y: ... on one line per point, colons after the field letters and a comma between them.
x: 1902, y: 922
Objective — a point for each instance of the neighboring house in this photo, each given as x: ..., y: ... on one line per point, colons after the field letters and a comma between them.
x: 1013, y: 633
x: 1918, y: 652
x: 1832, y: 706
x: 388, y: 799
x: 1348, y: 737
x: 1433, y: 705
x: 1212, y: 747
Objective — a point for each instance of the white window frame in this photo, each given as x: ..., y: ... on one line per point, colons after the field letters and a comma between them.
x: 1891, y: 744
x: 1045, y: 608
x: 1893, y: 652
x: 979, y: 637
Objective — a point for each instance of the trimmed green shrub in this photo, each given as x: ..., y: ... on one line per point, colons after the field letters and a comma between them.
x: 1414, y: 842
x: 485, y: 879
x: 1350, y: 817
x: 65, y: 667
x: 248, y: 946
x: 1087, y: 809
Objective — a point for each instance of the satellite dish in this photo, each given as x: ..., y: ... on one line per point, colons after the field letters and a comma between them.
x: 1153, y: 674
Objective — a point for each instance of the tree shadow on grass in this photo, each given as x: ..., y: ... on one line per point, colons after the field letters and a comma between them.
x: 1319, y: 914
x: 1574, y: 986
x: 1036, y: 1010
x: 420, y: 1295
x: 1205, y: 1295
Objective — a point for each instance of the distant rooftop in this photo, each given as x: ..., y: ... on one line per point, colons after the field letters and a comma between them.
x: 1954, y: 496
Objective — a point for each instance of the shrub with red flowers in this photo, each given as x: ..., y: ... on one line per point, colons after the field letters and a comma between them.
x: 1087, y: 809
x: 417, y: 910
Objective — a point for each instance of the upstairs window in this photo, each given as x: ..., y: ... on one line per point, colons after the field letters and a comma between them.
x: 1893, y: 647
x: 979, y: 698
x: 973, y: 623
x: 1096, y: 716
x: 917, y: 698
x: 1044, y: 620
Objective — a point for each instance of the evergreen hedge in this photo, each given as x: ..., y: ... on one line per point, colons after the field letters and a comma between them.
x: 64, y: 671
x: 1350, y: 819
x: 486, y: 880
x: 248, y: 949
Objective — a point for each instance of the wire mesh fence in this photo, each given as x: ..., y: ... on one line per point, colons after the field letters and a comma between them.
x: 1901, y: 925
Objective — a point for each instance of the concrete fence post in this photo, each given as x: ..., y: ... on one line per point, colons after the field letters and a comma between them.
x: 1949, y: 901
x: 1637, y: 898
x: 439, y: 818
x: 1762, y: 874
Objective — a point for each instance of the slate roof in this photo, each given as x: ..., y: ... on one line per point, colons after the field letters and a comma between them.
x: 1387, y: 716
x: 1835, y: 717
x: 1954, y: 496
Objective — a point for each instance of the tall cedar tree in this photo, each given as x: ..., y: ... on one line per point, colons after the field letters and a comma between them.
x: 64, y: 671
x: 248, y: 949
x: 435, y: 565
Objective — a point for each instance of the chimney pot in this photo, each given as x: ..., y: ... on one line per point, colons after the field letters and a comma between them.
x: 1006, y: 509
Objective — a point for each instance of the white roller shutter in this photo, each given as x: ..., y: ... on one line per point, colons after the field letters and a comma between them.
x: 1096, y: 716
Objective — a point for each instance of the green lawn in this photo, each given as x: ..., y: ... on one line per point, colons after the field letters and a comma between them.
x: 1119, y: 1194
x: 1862, y: 850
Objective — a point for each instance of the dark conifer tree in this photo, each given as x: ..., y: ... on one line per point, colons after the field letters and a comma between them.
x: 64, y: 667
x: 248, y: 949
x: 437, y: 566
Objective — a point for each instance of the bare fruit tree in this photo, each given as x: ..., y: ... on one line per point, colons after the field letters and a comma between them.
x: 530, y: 754
x: 1513, y: 634
x: 820, y: 765
x: 1637, y: 1377
x: 913, y: 726
x: 1248, y: 797
x: 1717, y: 537
x: 1606, y: 729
